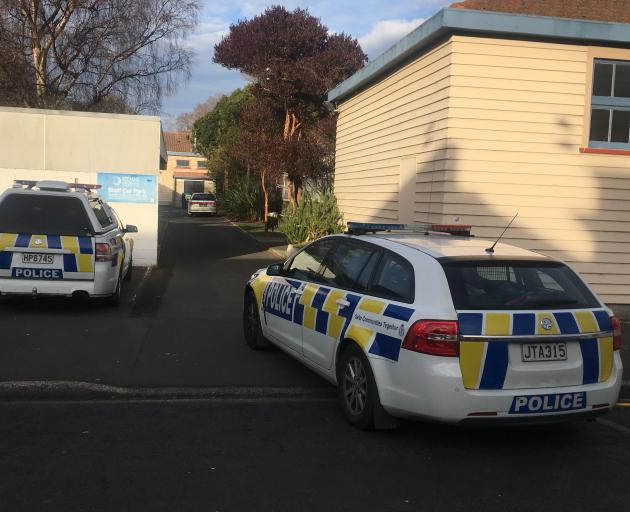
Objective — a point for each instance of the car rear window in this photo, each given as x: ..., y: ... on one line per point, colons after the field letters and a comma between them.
x: 203, y: 197
x: 44, y: 215
x: 516, y: 285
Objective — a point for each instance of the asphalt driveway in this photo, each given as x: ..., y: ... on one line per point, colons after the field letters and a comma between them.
x: 178, y: 326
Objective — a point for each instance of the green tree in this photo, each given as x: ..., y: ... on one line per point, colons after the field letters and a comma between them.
x: 216, y: 132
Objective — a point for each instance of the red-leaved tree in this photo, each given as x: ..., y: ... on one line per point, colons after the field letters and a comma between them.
x: 256, y: 146
x: 293, y: 61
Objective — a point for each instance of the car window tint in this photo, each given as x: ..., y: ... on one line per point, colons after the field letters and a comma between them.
x: 516, y: 285
x: 347, y: 263
x: 101, y: 214
x: 306, y: 264
x: 44, y: 215
x: 394, y: 279
x: 203, y: 197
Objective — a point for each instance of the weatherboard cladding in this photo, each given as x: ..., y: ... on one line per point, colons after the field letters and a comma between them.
x: 493, y: 126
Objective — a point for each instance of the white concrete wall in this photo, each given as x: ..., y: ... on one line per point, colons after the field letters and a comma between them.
x: 59, y: 145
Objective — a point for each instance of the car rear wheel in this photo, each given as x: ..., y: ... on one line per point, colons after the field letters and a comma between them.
x: 129, y: 274
x: 356, y: 388
x: 251, y: 324
x: 114, y: 299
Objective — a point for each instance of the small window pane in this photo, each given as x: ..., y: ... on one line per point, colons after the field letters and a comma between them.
x: 183, y: 163
x: 306, y: 264
x: 366, y: 274
x: 101, y: 214
x: 602, y: 79
x: 394, y: 279
x: 344, y: 268
x: 599, y: 125
x: 622, y: 81
x: 202, y: 164
x: 620, y: 126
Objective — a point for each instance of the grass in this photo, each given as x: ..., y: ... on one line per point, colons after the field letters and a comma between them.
x: 257, y: 229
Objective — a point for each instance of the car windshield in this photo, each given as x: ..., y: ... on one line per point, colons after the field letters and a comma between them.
x: 516, y: 285
x: 44, y: 215
x: 203, y: 197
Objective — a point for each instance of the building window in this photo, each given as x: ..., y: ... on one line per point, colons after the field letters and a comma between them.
x: 183, y: 163
x: 202, y: 164
x: 610, y: 105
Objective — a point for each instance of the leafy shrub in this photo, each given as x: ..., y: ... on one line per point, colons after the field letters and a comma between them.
x: 240, y: 201
x: 313, y: 218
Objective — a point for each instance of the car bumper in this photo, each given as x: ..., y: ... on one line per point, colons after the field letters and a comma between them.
x: 103, y: 284
x: 202, y: 209
x: 432, y: 388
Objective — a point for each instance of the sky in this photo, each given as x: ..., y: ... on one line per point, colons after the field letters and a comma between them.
x: 377, y: 24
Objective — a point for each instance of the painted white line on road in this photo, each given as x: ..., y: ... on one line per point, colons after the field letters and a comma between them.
x: 147, y: 274
x: 613, y: 425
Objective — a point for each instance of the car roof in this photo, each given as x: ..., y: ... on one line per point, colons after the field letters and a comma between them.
x: 448, y: 246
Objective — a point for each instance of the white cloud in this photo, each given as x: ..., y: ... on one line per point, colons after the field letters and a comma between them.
x: 385, y: 34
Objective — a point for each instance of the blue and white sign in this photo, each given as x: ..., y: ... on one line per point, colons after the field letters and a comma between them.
x: 127, y: 188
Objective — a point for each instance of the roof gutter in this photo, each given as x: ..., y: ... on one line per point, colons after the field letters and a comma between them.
x: 449, y: 21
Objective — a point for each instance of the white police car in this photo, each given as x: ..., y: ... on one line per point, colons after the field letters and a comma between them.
x: 61, y: 239
x: 437, y: 326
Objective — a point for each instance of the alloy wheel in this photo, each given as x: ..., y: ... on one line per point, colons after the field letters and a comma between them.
x: 355, y: 386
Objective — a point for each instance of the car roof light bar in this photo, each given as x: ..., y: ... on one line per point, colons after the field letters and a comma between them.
x: 361, y: 228
x: 60, y: 186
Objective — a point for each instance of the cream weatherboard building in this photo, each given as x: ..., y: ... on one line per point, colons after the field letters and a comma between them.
x: 479, y: 116
x: 122, y: 153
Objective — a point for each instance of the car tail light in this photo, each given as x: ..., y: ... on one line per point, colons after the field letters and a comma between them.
x: 616, y: 325
x: 435, y: 337
x: 103, y: 252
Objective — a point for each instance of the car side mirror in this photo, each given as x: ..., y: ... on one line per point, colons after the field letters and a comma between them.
x: 275, y: 269
x: 130, y: 228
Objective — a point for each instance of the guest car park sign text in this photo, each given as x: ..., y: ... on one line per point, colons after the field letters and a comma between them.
x: 127, y: 188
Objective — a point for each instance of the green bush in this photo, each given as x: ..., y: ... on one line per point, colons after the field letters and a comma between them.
x: 313, y: 218
x: 240, y: 201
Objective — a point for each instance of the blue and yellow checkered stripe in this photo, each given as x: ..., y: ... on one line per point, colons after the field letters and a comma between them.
x: 317, y: 309
x: 484, y: 364
x: 80, y: 259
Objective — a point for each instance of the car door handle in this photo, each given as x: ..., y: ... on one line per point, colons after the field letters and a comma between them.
x: 342, y: 302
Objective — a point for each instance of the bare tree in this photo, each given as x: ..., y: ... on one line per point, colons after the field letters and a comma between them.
x: 116, y: 55
x: 186, y: 120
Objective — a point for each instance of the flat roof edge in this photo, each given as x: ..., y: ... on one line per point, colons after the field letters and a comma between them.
x: 481, y: 22
x: 78, y: 113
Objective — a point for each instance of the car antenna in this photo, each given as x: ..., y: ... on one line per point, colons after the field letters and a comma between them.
x: 490, y: 250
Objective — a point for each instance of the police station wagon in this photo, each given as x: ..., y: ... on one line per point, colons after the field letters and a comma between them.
x: 61, y: 239
x: 437, y: 326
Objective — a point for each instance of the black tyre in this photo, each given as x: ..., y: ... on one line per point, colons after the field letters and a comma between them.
x: 129, y: 274
x: 356, y: 388
x: 114, y: 298
x: 251, y: 324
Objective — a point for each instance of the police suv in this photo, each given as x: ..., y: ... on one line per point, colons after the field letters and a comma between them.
x: 426, y: 323
x: 58, y: 238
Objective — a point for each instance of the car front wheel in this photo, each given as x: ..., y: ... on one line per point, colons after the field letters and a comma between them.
x: 251, y: 323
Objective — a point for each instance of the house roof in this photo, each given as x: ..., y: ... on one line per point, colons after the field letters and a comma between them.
x: 594, y: 10
x: 460, y: 20
x: 178, y: 142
